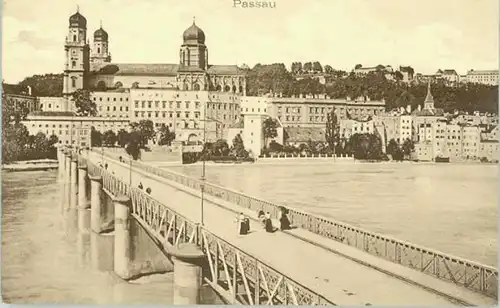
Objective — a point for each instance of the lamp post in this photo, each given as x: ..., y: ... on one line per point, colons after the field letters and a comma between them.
x: 203, y: 162
x: 102, y: 146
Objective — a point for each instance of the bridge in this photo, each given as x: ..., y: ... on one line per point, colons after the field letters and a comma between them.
x: 321, y: 262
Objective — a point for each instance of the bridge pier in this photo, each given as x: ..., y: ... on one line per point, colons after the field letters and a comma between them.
x: 67, y: 177
x: 122, y: 245
x: 95, y: 203
x: 60, y: 166
x: 73, y: 184
x: 187, y: 260
x: 83, y: 206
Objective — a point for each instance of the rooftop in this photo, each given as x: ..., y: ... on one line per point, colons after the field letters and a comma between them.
x: 160, y: 69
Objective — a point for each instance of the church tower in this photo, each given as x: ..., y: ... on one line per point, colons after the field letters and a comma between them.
x: 193, y: 52
x: 77, y: 55
x: 100, y: 49
x: 429, y: 100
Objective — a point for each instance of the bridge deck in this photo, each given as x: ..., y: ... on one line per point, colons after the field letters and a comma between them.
x: 342, y: 280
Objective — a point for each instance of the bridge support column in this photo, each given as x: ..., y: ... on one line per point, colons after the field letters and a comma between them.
x: 60, y: 160
x: 95, y: 203
x: 83, y: 213
x: 73, y: 184
x: 67, y: 177
x: 122, y: 245
x: 188, y: 260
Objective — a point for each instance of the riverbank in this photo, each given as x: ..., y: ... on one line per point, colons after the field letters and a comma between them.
x: 31, y: 165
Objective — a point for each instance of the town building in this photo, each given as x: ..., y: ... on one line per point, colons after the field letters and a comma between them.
x: 19, y: 97
x: 70, y: 129
x: 192, y: 115
x: 489, y: 151
x: 311, y: 111
x: 450, y: 76
x: 488, y: 77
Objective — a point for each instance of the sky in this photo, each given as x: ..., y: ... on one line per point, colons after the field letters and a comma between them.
x: 426, y: 34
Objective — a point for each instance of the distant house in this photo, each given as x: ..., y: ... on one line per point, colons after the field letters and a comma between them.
x: 449, y: 75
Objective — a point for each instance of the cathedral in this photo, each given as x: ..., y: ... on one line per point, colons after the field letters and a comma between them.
x: 91, y: 68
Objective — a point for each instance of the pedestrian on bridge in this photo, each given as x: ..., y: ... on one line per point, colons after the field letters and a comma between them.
x: 148, y: 191
x: 243, y: 224
x: 269, y: 224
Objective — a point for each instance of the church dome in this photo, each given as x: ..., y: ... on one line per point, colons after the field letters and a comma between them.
x: 194, y: 35
x: 77, y: 20
x: 100, y: 35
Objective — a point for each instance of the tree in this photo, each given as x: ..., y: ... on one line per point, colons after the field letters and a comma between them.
x: 328, y: 69
x: 316, y: 67
x: 123, y: 137
x: 238, y: 147
x: 95, y: 137
x: 366, y: 146
x: 145, y: 131
x: 394, y: 150
x: 307, y: 67
x: 270, y: 131
x: 83, y: 103
x: 398, y: 75
x: 408, y: 147
x: 11, y: 111
x: 133, y: 147
x: 358, y: 66
x: 220, y: 148
x: 166, y: 136
x: 109, y: 138
x: 296, y: 68
x: 44, y: 85
x: 332, y: 129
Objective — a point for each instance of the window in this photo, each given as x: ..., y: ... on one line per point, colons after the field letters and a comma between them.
x: 73, y: 82
x: 136, y: 104
x: 73, y: 64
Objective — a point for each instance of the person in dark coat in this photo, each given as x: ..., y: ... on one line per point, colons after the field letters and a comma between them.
x: 268, y: 223
x: 148, y: 191
x: 262, y: 217
x: 140, y: 185
x: 284, y: 222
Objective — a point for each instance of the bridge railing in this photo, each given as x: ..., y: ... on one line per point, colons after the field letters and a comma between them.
x: 474, y: 276
x: 230, y: 269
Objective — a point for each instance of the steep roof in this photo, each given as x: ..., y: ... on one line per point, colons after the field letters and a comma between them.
x: 160, y: 69
x: 144, y: 69
x: 225, y: 70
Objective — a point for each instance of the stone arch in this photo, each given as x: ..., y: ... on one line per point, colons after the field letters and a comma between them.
x: 101, y: 85
x: 196, y: 87
x: 218, y: 88
x: 185, y: 87
x: 234, y: 89
x: 227, y: 88
x: 135, y: 85
x: 118, y: 84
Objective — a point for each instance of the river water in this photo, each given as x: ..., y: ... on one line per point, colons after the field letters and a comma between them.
x: 45, y: 260
x: 448, y: 207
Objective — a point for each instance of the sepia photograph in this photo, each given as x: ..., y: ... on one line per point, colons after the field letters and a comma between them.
x: 250, y: 152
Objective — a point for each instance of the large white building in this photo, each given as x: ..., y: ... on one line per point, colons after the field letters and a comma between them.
x: 489, y: 77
